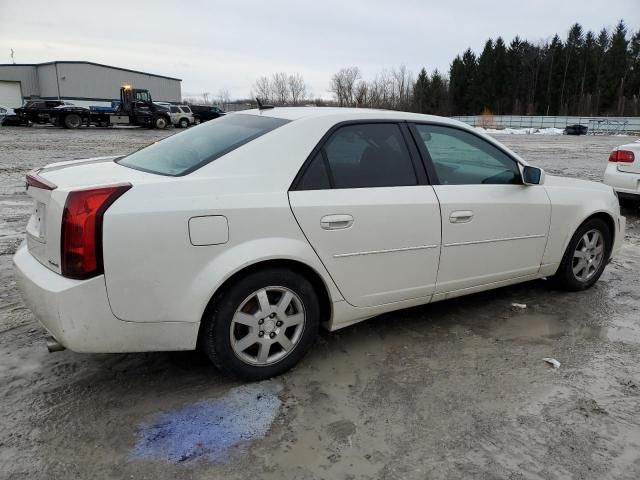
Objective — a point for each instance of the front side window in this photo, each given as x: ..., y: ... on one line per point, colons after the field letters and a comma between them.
x: 187, y: 151
x: 174, y: 110
x: 361, y: 156
x: 143, y: 96
x: 462, y: 158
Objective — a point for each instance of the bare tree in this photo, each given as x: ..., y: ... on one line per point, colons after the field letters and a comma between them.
x: 343, y: 85
x: 280, y: 88
x: 223, y: 97
x: 205, y: 98
x: 297, y: 88
x: 402, y: 87
x: 262, y: 89
x: 361, y: 94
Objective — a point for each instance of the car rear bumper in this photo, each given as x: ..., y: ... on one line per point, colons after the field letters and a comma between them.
x: 622, y: 182
x: 77, y: 314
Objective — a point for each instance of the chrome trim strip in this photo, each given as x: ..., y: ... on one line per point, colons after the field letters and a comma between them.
x: 390, y: 250
x: 457, y: 244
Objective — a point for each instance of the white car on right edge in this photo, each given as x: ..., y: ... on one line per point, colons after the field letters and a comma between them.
x: 623, y: 173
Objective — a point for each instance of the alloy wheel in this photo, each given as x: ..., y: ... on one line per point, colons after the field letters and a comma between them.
x: 267, y: 326
x: 588, y: 255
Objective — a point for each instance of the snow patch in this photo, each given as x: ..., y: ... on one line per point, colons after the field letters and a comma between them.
x: 523, y: 131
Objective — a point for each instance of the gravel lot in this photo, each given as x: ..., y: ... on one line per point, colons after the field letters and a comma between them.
x: 450, y: 390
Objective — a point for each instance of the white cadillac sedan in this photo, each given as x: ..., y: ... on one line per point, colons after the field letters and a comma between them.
x: 243, y: 236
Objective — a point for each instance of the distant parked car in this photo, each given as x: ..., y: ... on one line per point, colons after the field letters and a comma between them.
x: 204, y: 113
x: 623, y: 174
x: 5, y: 112
x: 8, y: 117
x: 243, y: 236
x: 48, y: 111
x: 576, y: 130
x: 181, y: 115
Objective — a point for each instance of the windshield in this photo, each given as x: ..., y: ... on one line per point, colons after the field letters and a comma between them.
x: 187, y: 151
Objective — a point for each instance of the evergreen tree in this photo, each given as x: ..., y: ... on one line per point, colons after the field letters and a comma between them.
x: 501, y: 76
x: 615, y: 71
x: 421, y: 92
x: 485, y: 81
x: 470, y: 63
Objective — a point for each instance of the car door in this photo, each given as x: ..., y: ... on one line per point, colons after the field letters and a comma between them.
x: 494, y: 227
x: 363, y: 203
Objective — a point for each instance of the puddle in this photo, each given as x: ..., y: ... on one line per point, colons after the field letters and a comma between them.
x: 531, y: 326
x: 210, y: 429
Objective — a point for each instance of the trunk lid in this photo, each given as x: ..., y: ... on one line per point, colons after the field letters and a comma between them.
x: 49, y: 186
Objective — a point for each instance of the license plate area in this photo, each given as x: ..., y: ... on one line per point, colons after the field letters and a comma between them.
x: 36, y: 227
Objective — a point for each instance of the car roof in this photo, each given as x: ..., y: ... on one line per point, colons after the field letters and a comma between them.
x: 346, y: 114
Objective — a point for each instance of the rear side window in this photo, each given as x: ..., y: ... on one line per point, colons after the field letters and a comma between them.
x: 189, y: 150
x: 185, y: 109
x: 316, y: 177
x: 361, y: 156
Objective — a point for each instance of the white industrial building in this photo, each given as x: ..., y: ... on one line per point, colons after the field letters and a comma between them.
x: 82, y: 83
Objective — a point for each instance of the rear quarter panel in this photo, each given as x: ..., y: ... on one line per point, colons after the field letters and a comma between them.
x: 153, y: 272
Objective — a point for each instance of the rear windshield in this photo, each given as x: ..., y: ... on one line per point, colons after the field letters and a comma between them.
x: 185, y: 152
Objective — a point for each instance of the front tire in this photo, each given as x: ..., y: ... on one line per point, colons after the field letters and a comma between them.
x: 160, y: 123
x: 262, y: 325
x: 586, y: 256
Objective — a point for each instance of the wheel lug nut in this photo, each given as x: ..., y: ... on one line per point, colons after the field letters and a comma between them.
x: 261, y: 333
x: 272, y: 334
x: 272, y: 315
x: 261, y: 321
x: 278, y: 323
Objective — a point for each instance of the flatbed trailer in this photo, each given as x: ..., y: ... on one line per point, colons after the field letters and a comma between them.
x: 134, y: 108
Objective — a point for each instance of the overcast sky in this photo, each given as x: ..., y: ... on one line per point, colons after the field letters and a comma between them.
x: 214, y: 45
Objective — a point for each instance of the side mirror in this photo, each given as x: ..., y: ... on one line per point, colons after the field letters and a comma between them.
x: 532, y: 175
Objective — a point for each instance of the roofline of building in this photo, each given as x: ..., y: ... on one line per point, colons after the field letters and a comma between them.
x: 85, y: 63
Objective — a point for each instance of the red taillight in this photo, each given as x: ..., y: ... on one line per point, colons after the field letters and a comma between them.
x: 81, y: 240
x: 623, y: 156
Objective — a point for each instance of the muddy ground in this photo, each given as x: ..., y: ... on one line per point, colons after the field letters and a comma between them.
x: 451, y: 390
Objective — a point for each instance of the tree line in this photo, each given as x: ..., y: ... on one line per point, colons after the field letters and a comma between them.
x: 586, y: 74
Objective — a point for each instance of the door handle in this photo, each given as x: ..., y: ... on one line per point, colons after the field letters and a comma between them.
x: 461, y: 216
x: 336, y: 222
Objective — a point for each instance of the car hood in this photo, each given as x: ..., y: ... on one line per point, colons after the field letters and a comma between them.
x: 575, y: 183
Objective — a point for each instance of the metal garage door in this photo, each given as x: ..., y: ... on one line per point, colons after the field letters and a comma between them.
x: 10, y: 94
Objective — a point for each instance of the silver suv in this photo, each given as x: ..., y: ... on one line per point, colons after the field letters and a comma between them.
x: 181, y: 115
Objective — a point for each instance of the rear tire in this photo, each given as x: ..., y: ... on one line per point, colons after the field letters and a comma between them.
x: 585, y: 258
x: 261, y: 325
x: 72, y: 121
x: 184, y: 123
